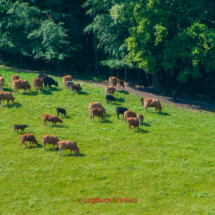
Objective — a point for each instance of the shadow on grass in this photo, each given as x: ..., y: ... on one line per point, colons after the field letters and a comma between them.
x: 15, y: 104
x: 140, y: 130
x: 107, y: 115
x: 105, y: 121
x: 163, y: 113
x: 83, y: 93
x: 56, y: 89
x: 32, y: 93
x: 75, y: 155
x: 123, y: 91
x: 7, y: 89
x: 145, y: 124
x: 120, y: 100
x: 66, y: 116
x: 46, y: 92
x: 113, y: 103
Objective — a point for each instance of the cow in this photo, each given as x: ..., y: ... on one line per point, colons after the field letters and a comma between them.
x: 21, y: 127
x: 96, y: 112
x: 69, y: 84
x: 6, y: 96
x: 110, y: 90
x: 37, y: 82
x: 140, y: 117
x: 76, y: 87
x: 60, y: 110
x: 66, y: 78
x: 1, y: 83
x: 129, y: 113
x: 110, y: 98
x: 132, y: 121
x: 50, y: 118
x: 67, y: 144
x: 21, y: 84
x: 147, y: 102
x: 113, y: 81
x: 95, y: 105
x: 28, y: 137
x: 14, y: 77
x: 49, y: 81
x: 49, y: 139
x: 120, y: 110
x: 42, y: 76
x: 120, y: 84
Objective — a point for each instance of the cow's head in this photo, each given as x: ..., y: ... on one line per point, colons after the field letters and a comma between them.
x: 56, y: 83
x: 60, y: 120
x: 104, y: 111
x: 77, y: 150
x: 25, y: 126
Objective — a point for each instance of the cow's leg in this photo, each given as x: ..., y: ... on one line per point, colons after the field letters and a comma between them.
x: 30, y: 143
x: 53, y: 147
x: 55, y: 123
x: 7, y: 102
x: 44, y: 146
x: 71, y: 151
x: 145, y: 109
x: 128, y: 127
x: 89, y: 117
x: 50, y: 86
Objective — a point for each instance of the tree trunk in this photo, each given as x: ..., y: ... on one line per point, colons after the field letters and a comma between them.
x: 125, y: 73
x: 156, y: 85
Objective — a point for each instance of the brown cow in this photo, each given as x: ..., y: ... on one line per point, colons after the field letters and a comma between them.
x: 21, y: 84
x: 110, y: 90
x: 113, y: 81
x: 66, y: 78
x: 95, y: 105
x: 147, y: 102
x: 132, y: 121
x: 49, y: 139
x: 120, y: 84
x: 1, y: 82
x: 76, y: 87
x: 14, y: 77
x: 50, y: 118
x: 96, y: 112
x: 6, y: 96
x: 140, y: 117
x: 37, y: 82
x: 67, y: 144
x: 129, y: 113
x: 28, y: 137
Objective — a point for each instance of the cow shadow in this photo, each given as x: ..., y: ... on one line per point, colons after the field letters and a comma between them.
x: 145, y: 124
x: 66, y: 116
x: 32, y: 93
x: 105, y: 121
x: 83, y: 93
x: 60, y: 126
x: 123, y: 92
x: 75, y: 155
x: 141, y: 131
x: 107, y: 115
x: 7, y: 89
x: 113, y: 103
x: 15, y: 104
x: 46, y: 92
x: 56, y: 89
x: 163, y: 113
x: 120, y: 100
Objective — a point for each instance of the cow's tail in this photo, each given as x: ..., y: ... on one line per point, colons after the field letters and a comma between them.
x: 40, y: 116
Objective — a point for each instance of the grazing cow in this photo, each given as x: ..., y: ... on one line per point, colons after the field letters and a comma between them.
x: 147, y: 102
x: 96, y: 112
x: 113, y: 81
x: 1, y: 83
x: 76, y: 87
x: 129, y: 113
x: 140, y: 117
x: 61, y: 110
x: 95, y: 105
x: 120, y: 110
x: 42, y: 76
x: 133, y: 121
x: 120, y: 84
x: 49, y: 139
x: 110, y: 90
x: 67, y: 144
x: 69, y: 84
x: 22, y: 127
x: 14, y: 77
x: 6, y: 96
x: 110, y: 98
x: 50, y: 118
x: 28, y: 137
x: 66, y: 78
x: 21, y: 84
x: 49, y: 81
x: 37, y: 83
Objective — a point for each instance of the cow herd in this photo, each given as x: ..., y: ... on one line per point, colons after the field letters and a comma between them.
x: 95, y: 108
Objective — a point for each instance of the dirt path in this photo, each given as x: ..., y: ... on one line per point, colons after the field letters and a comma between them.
x: 183, y: 101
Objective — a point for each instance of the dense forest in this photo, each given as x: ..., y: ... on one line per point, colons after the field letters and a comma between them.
x: 169, y: 43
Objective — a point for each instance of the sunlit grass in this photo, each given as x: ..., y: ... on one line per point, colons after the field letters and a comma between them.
x: 168, y: 165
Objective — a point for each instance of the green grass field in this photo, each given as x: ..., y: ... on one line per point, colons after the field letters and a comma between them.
x: 169, y: 165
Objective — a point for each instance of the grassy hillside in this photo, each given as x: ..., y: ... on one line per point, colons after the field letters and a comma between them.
x: 168, y: 165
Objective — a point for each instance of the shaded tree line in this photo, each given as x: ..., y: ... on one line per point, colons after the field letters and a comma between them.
x: 170, y: 43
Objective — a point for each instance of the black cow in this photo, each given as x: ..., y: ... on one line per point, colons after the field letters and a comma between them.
x: 61, y: 110
x: 120, y: 110
x: 49, y: 81
x: 42, y: 76
x: 110, y: 98
x: 22, y: 127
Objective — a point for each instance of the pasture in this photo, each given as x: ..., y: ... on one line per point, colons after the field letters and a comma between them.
x: 168, y: 165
